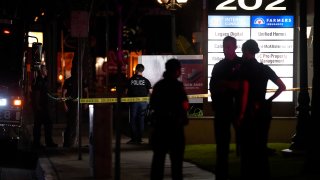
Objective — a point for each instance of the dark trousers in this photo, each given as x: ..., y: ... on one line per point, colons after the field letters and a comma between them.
x: 254, y: 139
x: 70, y: 132
x: 222, y: 127
x: 41, y: 117
x: 165, y: 142
x: 137, y: 115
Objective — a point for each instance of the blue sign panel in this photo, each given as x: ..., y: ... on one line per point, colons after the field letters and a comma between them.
x: 229, y: 21
x: 272, y: 21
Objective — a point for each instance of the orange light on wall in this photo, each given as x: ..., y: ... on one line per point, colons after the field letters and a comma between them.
x: 114, y: 89
x: 6, y: 31
x: 60, y: 77
x: 133, y: 61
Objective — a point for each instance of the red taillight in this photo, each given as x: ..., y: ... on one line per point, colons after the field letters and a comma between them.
x: 17, y: 102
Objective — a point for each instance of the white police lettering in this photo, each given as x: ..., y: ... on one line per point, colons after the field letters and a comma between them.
x: 138, y: 82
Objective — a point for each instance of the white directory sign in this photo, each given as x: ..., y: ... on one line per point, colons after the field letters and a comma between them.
x: 220, y: 33
x: 274, y: 34
x: 275, y: 58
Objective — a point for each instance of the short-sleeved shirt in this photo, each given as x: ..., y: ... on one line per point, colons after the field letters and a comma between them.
x: 167, y: 100
x: 40, y: 89
x: 258, y: 75
x: 71, y: 85
x: 225, y: 70
x: 138, y: 86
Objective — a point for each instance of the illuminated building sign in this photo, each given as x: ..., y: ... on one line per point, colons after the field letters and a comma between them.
x: 274, y: 34
x: 246, y: 6
x: 229, y: 21
x: 272, y: 21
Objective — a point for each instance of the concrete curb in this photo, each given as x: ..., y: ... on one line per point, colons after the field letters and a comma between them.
x: 47, y: 169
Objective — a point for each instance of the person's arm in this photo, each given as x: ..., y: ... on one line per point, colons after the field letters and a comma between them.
x: 36, y: 94
x: 64, y: 92
x: 37, y: 99
x: 149, y: 87
x: 234, y: 85
x: 86, y: 95
x: 244, y: 98
x: 86, y: 92
x: 243, y: 101
x: 281, y: 87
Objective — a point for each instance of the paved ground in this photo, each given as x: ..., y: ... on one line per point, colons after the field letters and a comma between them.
x: 64, y: 164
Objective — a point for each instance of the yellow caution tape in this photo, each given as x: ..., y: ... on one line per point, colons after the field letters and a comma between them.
x: 288, y: 89
x: 97, y: 100
x: 135, y: 99
x: 146, y: 99
x: 198, y: 96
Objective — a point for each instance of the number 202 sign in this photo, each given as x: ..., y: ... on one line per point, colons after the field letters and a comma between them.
x: 251, y: 6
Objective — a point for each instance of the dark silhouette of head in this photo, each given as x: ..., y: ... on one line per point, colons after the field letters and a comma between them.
x: 229, y: 47
x: 173, y: 68
x: 139, y: 68
x: 250, y: 46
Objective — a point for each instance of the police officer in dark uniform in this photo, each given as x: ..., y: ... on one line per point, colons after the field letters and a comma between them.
x: 138, y: 86
x: 70, y: 91
x: 255, y: 126
x: 40, y: 109
x: 170, y: 104
x: 228, y: 91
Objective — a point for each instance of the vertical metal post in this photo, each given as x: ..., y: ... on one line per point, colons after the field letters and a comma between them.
x: 303, y: 108
x: 79, y: 114
x: 312, y: 164
x: 173, y: 32
x: 118, y: 87
x: 91, y: 143
x: 62, y: 60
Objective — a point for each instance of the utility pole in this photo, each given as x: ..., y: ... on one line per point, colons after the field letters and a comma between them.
x: 119, y: 88
x: 299, y: 140
x: 312, y: 165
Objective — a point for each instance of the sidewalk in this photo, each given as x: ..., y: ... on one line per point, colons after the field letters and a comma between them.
x: 64, y: 164
x: 135, y: 162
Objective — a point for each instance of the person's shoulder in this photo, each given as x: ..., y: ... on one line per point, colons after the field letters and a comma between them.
x: 68, y: 81
x: 159, y: 83
x: 261, y: 65
x: 69, y: 78
x: 222, y: 61
x: 146, y: 78
x: 239, y: 59
x: 220, y: 64
x: 133, y: 76
x: 180, y: 83
x: 266, y: 68
x: 156, y: 86
x: 264, y: 65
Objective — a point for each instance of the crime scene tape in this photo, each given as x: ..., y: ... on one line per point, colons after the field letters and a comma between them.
x: 129, y: 99
x: 97, y: 100
x: 193, y: 96
x: 146, y: 99
x: 288, y: 89
x: 135, y: 99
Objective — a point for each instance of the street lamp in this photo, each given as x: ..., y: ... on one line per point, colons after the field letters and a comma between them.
x: 172, y: 5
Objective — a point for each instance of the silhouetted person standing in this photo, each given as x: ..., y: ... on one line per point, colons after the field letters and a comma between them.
x: 40, y: 109
x: 229, y: 95
x: 170, y: 104
x: 138, y: 86
x: 255, y: 126
x: 70, y: 91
